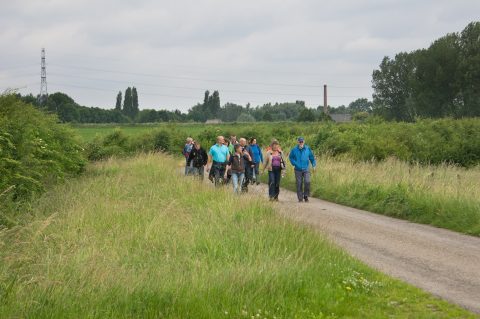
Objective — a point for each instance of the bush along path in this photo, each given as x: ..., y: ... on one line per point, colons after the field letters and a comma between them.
x: 439, y: 261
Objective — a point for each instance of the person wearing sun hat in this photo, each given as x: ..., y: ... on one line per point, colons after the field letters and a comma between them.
x: 300, y: 157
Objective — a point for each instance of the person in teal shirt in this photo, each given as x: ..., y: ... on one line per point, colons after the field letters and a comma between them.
x: 218, y: 155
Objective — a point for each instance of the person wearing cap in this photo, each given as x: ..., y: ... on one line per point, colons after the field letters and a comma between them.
x: 300, y: 157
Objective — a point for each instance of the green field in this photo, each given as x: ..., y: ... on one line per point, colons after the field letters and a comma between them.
x: 129, y: 239
x: 89, y: 131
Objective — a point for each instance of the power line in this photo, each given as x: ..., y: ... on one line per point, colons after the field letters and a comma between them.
x: 18, y: 67
x: 107, y: 90
x: 187, y: 78
x: 184, y: 87
x: 156, y: 94
x: 18, y: 87
x: 349, y: 87
x: 298, y: 96
x: 21, y: 75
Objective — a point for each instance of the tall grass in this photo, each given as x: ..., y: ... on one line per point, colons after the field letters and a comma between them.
x: 132, y: 239
x: 444, y: 195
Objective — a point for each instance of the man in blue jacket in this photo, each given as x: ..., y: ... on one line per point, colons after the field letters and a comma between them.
x: 300, y: 156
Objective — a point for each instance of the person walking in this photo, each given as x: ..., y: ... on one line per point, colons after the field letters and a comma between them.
x: 218, y: 156
x: 231, y: 150
x: 237, y: 167
x: 269, y: 147
x: 233, y: 142
x: 300, y: 158
x: 186, y: 152
x: 197, y: 159
x: 274, y: 163
x: 248, y: 164
x: 257, y: 158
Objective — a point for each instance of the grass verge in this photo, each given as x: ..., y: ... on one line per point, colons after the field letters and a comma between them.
x: 132, y: 239
x: 444, y: 196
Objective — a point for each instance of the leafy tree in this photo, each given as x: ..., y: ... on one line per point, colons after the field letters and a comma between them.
x: 468, y: 100
x: 245, y: 117
x: 392, y: 86
x: 443, y: 80
x: 360, y: 116
x: 134, y: 102
x: 267, y: 117
x: 230, y: 112
x: 434, y: 88
x: 360, y: 105
x: 118, y: 105
x: 342, y: 109
x: 306, y: 115
x: 128, y: 103
x: 197, y: 113
x: 213, y: 105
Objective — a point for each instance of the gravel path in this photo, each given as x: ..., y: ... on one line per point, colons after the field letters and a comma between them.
x: 442, y: 262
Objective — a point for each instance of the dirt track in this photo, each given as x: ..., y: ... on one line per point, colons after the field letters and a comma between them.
x: 443, y: 262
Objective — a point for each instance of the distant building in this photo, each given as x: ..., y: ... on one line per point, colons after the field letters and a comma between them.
x: 213, y: 121
x: 341, y: 118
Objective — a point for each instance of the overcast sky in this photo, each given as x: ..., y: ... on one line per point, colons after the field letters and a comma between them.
x: 251, y: 51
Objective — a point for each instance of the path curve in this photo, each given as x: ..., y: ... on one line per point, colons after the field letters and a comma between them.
x: 442, y: 262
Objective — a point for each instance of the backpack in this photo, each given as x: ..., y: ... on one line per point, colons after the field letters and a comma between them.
x: 187, y: 149
x: 198, y: 159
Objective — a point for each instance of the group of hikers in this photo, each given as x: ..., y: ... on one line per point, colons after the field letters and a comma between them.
x: 238, y: 162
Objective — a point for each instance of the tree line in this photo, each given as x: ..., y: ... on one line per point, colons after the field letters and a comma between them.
x: 128, y: 111
x: 440, y: 81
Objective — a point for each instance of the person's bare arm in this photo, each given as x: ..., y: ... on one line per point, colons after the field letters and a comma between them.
x: 209, y: 162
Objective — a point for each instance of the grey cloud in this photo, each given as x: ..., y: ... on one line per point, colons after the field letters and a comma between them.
x: 335, y: 42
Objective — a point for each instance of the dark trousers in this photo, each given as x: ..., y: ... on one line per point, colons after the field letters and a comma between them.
x: 274, y: 177
x: 218, y: 171
x: 198, y: 172
x: 302, y: 179
x: 248, y: 177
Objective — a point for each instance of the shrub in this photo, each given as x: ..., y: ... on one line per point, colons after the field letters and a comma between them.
x: 426, y: 141
x: 35, y: 150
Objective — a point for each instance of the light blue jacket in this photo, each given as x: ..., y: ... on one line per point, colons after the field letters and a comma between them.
x: 300, y: 158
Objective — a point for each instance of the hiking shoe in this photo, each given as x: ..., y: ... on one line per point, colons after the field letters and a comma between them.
x: 300, y: 200
x: 306, y: 198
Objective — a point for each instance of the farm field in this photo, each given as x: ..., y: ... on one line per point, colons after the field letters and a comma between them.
x: 98, y: 249
x: 89, y: 131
